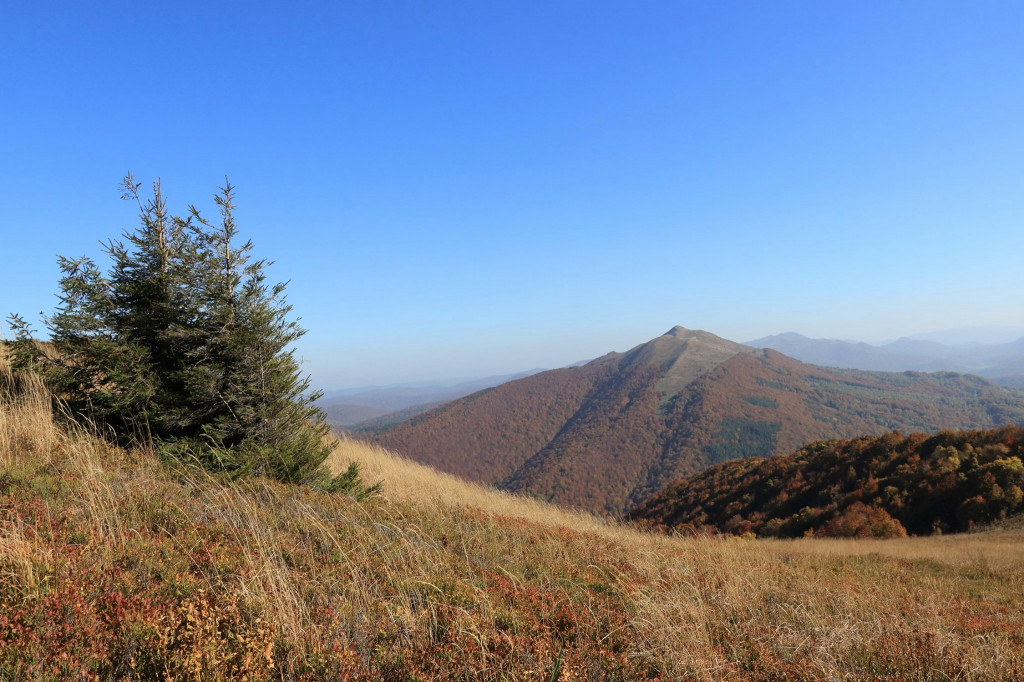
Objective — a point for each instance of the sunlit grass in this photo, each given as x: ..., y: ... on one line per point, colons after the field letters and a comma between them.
x: 112, y: 565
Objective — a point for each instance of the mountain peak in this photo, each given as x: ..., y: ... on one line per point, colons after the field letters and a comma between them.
x: 681, y: 332
x: 683, y: 355
x: 775, y: 339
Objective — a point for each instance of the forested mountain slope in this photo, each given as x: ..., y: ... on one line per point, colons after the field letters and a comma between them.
x: 879, y: 486
x: 609, y: 434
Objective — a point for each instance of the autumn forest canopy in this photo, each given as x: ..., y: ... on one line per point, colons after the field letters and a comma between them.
x: 873, y: 486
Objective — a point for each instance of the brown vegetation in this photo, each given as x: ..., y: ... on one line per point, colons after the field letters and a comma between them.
x: 487, y: 436
x: 115, y: 567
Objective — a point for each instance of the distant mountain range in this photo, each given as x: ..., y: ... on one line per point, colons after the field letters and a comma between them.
x: 607, y: 435
x: 1002, y: 363
x: 381, y: 405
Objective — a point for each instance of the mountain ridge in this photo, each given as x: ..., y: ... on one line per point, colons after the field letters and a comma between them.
x: 608, y: 434
x: 999, y: 362
x: 374, y: 405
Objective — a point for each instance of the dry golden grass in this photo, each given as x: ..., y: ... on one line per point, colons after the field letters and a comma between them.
x: 987, y: 550
x: 19, y: 557
x: 829, y: 601
x: 27, y: 423
x: 441, y: 579
x: 408, y: 482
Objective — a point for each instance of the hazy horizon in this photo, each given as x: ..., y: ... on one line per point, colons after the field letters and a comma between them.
x: 981, y: 335
x: 467, y: 189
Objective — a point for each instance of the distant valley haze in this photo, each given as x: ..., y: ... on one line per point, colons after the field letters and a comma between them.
x: 967, y: 349
x: 984, y: 352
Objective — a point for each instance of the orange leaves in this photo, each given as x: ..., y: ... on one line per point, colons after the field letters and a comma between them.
x: 881, y: 486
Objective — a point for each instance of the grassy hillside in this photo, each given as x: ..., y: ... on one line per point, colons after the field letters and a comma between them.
x: 869, y: 486
x: 608, y: 435
x: 113, y: 566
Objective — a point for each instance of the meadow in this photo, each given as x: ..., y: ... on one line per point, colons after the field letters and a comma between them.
x: 115, y: 565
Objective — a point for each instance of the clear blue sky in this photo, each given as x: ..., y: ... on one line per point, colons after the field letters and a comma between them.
x: 472, y: 188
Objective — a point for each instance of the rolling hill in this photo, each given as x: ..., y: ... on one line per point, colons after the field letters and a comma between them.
x: 609, y: 434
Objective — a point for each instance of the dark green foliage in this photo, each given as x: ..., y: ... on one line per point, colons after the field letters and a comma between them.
x: 184, y: 343
x: 351, y: 484
x: 738, y: 438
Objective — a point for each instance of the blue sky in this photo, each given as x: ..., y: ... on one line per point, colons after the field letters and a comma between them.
x: 457, y: 189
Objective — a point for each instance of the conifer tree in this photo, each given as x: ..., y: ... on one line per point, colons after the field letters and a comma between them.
x: 153, y: 312
x: 257, y: 405
x: 184, y: 342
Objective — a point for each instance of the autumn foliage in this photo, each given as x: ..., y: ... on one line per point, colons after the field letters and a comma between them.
x: 873, y: 486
